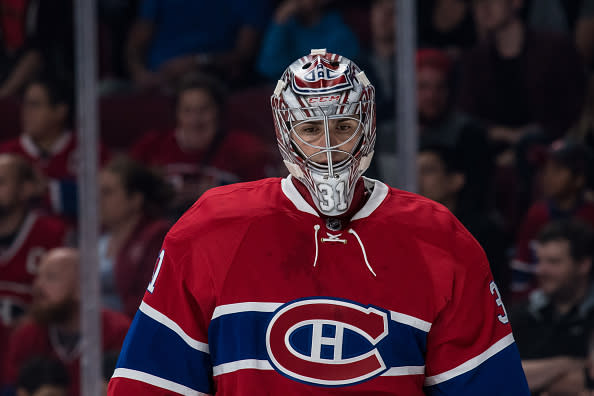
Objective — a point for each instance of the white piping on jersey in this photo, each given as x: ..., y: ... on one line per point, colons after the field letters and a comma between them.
x: 31, y: 148
x: 165, y: 321
x: 335, y: 238
x: 156, y: 381
x: 16, y: 287
x: 230, y: 367
x: 255, y: 364
x: 22, y: 235
x: 379, y: 191
x: 244, y: 307
x: 472, y: 363
x: 411, y: 321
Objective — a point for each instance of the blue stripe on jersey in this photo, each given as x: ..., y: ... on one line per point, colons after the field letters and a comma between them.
x: 501, y: 374
x: 242, y: 335
x: 155, y: 349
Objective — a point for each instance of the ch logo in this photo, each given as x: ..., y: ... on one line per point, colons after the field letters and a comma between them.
x: 324, y: 341
x: 320, y: 72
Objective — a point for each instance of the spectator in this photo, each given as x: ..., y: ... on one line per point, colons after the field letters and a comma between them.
x: 574, y: 19
x: 131, y: 199
x: 553, y: 327
x: 564, y: 180
x: 42, y: 377
x: 47, y: 140
x: 37, y: 36
x: 441, y: 124
x: 25, y: 234
x: 199, y: 153
x: 54, y: 330
x: 379, y: 62
x: 170, y: 39
x: 519, y: 80
x: 298, y: 26
x: 443, y: 178
x: 447, y: 25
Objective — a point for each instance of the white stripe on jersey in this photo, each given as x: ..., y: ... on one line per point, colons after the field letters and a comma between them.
x: 244, y: 307
x: 472, y: 363
x: 404, y: 370
x: 241, y: 365
x: 16, y: 287
x: 165, y: 321
x: 411, y: 321
x: 156, y: 381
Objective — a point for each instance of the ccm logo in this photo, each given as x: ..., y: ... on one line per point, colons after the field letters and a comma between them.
x: 326, y: 342
x: 323, y: 99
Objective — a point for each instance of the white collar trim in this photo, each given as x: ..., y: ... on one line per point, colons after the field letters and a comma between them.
x: 31, y: 148
x: 379, y: 193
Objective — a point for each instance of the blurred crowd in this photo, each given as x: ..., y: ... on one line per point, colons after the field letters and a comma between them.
x: 505, y: 99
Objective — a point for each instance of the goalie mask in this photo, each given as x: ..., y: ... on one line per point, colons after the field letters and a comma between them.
x: 324, y: 116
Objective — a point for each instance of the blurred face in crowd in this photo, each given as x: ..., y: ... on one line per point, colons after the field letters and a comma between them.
x: 45, y: 390
x: 557, y: 272
x: 197, y: 119
x: 559, y: 182
x: 39, y: 115
x: 14, y: 193
x: 383, y: 16
x: 432, y: 94
x: 492, y: 15
x: 116, y: 204
x: 341, y: 135
x: 55, y: 288
x: 434, y: 181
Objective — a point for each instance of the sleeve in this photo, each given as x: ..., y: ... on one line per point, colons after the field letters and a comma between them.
x: 470, y: 347
x: 277, y: 50
x: 341, y: 37
x: 131, y: 298
x: 166, y: 350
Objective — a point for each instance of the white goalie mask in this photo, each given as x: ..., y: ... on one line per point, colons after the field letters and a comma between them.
x: 324, y: 116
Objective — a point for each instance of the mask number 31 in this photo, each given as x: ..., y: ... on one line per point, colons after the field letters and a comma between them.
x: 329, y: 196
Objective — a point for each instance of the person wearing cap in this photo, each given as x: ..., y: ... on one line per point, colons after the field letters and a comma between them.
x: 440, y: 124
x: 564, y: 178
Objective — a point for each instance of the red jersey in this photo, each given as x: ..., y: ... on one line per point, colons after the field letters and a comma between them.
x: 18, y: 263
x: 253, y: 293
x: 134, y: 264
x: 538, y: 216
x: 238, y: 157
x: 61, y: 162
x: 31, y: 339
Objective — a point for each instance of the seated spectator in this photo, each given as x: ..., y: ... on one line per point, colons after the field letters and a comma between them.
x: 297, y: 27
x: 379, y: 62
x: 441, y: 124
x: 54, y: 329
x: 199, y: 153
x: 519, y: 80
x: 42, y: 377
x: 443, y: 178
x: 25, y: 235
x: 48, y: 142
x: 36, y: 36
x: 564, y: 180
x: 553, y: 327
x: 447, y: 25
x: 132, y: 197
x: 171, y: 39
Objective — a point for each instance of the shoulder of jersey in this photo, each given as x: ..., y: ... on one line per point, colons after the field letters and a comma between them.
x: 238, y: 201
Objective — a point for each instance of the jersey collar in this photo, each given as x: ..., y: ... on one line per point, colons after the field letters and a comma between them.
x: 31, y: 148
x: 379, y: 193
